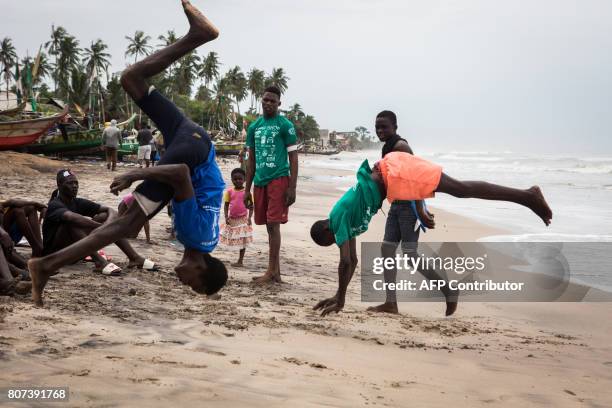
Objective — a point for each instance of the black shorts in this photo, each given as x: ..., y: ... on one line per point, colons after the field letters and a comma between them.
x: 184, y: 141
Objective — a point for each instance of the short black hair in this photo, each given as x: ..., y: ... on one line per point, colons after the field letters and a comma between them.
x: 389, y: 115
x: 214, y: 277
x: 319, y: 231
x: 273, y: 89
x: 238, y: 170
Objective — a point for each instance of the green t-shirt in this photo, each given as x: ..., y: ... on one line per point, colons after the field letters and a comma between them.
x: 352, y: 213
x: 270, y: 138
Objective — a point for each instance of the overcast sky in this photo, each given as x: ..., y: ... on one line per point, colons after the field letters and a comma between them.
x: 519, y: 75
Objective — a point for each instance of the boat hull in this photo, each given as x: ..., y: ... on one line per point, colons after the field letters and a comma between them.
x: 14, y: 134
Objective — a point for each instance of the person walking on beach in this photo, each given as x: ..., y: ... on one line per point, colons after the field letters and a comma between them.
x: 272, y: 166
x: 144, y: 145
x: 401, y: 221
x: 111, y: 139
x: 400, y: 176
x: 187, y: 174
x: 237, y: 231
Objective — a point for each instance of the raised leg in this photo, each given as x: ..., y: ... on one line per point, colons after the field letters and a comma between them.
x: 201, y: 31
x: 531, y: 198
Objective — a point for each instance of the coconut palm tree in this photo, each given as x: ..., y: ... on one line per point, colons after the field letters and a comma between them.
x: 44, y: 69
x: 186, y: 72
x: 278, y: 79
x: 237, y: 85
x: 256, y: 83
x: 168, y: 39
x: 96, y: 59
x: 8, y: 57
x: 53, y: 46
x: 138, y: 45
x: 68, y: 62
x: 209, y: 69
x: 221, y: 105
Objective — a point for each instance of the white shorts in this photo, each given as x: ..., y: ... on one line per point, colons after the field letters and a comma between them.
x: 144, y: 152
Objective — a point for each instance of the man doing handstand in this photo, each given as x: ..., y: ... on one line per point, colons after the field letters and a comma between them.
x: 187, y: 174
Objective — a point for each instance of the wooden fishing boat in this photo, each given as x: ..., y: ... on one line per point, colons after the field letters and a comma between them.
x: 13, y: 111
x: 17, y: 133
x: 225, y: 148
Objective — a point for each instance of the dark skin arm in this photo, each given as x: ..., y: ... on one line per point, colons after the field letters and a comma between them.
x: 250, y: 173
x: 175, y: 175
x: 293, y: 164
x: 86, y: 222
x: 5, y: 241
x: 226, y: 211
x: 346, y: 269
x: 426, y: 217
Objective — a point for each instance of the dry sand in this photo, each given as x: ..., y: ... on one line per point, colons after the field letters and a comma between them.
x: 142, y: 339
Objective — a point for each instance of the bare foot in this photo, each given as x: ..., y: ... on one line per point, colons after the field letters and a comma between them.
x: 387, y: 307
x: 39, y: 280
x: 266, y: 279
x: 539, y: 205
x: 452, y: 300
x: 199, y: 26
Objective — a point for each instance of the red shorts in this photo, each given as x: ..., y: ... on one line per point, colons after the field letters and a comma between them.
x: 269, y: 202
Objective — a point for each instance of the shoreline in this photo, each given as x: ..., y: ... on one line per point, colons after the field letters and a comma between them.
x: 145, y: 336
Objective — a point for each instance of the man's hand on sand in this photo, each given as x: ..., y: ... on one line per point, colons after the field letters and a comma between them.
x: 290, y: 196
x: 120, y: 183
x: 328, y: 306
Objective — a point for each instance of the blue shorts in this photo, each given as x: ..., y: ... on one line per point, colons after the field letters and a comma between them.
x: 197, y: 226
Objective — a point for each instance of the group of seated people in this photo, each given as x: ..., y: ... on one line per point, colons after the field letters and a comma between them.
x: 49, y: 228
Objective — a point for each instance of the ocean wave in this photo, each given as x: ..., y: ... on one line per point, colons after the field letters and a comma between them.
x: 547, y: 237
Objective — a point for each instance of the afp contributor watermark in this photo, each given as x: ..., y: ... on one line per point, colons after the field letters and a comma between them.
x: 485, y: 271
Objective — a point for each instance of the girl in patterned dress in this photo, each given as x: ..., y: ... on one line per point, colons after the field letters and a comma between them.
x: 237, y: 231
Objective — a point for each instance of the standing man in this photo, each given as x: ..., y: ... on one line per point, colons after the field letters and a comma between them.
x: 144, y: 145
x: 111, y: 138
x: 402, y: 219
x: 272, y: 165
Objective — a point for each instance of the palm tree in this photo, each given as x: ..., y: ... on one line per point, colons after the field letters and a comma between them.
x: 96, y: 58
x: 139, y: 45
x: 278, y: 79
x: 221, y: 105
x: 256, y: 83
x: 44, y: 69
x: 186, y: 72
x: 68, y: 62
x: 237, y: 85
x: 53, y: 46
x: 168, y: 39
x: 295, y: 113
x: 8, y: 57
x: 209, y: 69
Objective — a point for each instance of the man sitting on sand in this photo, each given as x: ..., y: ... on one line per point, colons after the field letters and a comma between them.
x: 70, y: 219
x: 400, y: 176
x: 8, y: 285
x: 187, y: 174
x: 21, y: 218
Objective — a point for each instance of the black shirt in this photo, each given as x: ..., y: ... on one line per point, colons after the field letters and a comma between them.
x: 144, y: 137
x: 56, y: 208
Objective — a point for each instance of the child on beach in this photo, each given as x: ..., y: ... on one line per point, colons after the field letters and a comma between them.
x: 237, y: 231
x: 123, y: 207
x: 400, y: 176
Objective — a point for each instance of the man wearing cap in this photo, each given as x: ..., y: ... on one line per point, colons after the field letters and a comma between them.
x: 110, y: 141
x: 70, y: 218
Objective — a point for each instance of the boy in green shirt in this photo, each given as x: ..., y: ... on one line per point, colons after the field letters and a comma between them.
x: 400, y: 176
x: 272, y: 166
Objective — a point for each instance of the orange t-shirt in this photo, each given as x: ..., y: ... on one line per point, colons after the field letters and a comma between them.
x: 408, y: 177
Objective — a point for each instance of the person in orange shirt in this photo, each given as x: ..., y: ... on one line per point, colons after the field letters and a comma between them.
x: 400, y: 176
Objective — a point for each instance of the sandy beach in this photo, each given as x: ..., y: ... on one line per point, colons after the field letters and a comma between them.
x: 143, y: 339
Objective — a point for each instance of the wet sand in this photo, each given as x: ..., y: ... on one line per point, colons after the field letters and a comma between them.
x: 142, y: 339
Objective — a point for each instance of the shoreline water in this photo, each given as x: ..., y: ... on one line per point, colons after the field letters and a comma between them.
x: 154, y: 340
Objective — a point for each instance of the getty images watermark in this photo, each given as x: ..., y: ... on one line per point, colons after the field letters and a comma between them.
x: 487, y: 271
